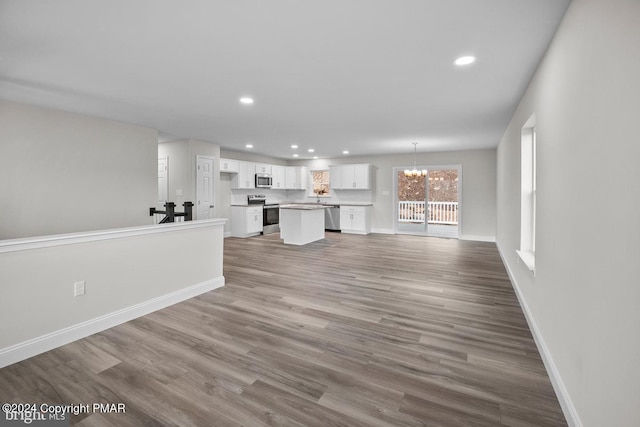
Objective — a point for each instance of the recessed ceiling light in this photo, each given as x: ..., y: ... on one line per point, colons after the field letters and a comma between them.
x: 295, y: 155
x: 246, y: 100
x: 294, y: 146
x: 311, y: 150
x: 249, y: 145
x: 345, y: 152
x: 465, y: 60
x: 315, y: 157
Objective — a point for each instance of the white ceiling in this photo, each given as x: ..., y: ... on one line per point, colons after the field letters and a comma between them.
x: 368, y: 76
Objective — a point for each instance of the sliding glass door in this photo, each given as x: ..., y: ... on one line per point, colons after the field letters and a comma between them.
x: 428, y: 204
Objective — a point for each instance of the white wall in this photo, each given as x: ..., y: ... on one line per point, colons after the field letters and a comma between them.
x: 62, y: 172
x: 584, y: 300
x: 248, y: 156
x: 128, y: 272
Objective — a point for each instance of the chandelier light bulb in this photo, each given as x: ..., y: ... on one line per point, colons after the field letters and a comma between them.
x: 413, y: 173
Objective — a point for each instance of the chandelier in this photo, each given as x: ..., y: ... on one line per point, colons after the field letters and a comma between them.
x: 415, y: 172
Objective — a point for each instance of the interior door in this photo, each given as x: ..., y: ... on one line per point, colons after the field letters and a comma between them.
x: 163, y: 181
x: 204, y: 187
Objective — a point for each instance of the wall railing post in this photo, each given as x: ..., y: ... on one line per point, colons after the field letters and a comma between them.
x: 170, y: 208
x: 188, y: 211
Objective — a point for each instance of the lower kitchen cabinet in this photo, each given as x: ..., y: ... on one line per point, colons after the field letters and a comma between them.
x: 246, y: 221
x: 355, y: 219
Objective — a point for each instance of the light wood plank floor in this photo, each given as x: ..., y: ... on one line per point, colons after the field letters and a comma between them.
x: 374, y: 330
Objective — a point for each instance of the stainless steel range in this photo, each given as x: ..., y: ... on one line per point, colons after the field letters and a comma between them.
x: 270, y: 213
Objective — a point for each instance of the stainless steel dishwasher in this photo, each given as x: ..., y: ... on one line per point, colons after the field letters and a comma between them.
x: 332, y: 218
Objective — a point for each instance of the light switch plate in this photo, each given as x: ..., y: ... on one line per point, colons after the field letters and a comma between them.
x: 79, y: 288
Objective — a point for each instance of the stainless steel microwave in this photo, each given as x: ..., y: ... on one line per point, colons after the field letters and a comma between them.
x: 263, y: 180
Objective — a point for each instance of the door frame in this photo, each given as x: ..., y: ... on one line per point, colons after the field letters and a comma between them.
x: 213, y: 171
x: 160, y: 203
x: 394, y: 203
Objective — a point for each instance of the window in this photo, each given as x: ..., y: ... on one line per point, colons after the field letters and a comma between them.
x: 320, y: 180
x: 528, y: 194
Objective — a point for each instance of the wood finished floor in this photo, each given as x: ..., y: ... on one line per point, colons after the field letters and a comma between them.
x: 375, y: 330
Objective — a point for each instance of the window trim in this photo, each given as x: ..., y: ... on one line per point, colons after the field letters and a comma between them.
x: 311, y: 192
x: 528, y: 194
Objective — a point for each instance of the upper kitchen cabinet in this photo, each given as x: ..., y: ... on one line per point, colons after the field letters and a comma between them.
x: 295, y: 177
x: 245, y: 178
x: 350, y: 177
x: 335, y: 177
x: 361, y: 177
x: 278, y: 178
x: 228, y: 166
x: 262, y: 168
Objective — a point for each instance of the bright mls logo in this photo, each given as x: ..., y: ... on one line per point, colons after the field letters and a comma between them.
x: 53, y: 415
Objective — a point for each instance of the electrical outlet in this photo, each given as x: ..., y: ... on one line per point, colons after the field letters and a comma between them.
x: 79, y: 288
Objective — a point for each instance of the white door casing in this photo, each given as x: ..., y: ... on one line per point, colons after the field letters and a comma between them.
x: 163, y: 181
x: 204, y: 187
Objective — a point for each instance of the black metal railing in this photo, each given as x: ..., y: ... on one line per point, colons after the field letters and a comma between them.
x: 170, y: 213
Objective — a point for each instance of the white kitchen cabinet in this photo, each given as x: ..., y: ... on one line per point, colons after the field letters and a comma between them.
x: 335, y: 177
x: 228, y: 166
x: 263, y: 168
x: 350, y: 177
x: 245, y: 178
x: 355, y: 219
x: 278, y: 178
x: 300, y: 225
x: 246, y: 221
x: 362, y: 177
x: 254, y: 220
x: 355, y: 177
x: 295, y: 177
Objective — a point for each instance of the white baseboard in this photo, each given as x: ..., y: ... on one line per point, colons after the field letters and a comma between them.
x: 35, y: 346
x: 383, y: 230
x: 477, y: 238
x: 568, y: 408
x: 491, y: 239
x: 227, y: 234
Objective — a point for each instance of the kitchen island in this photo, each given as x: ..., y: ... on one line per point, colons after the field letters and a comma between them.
x: 301, y: 223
